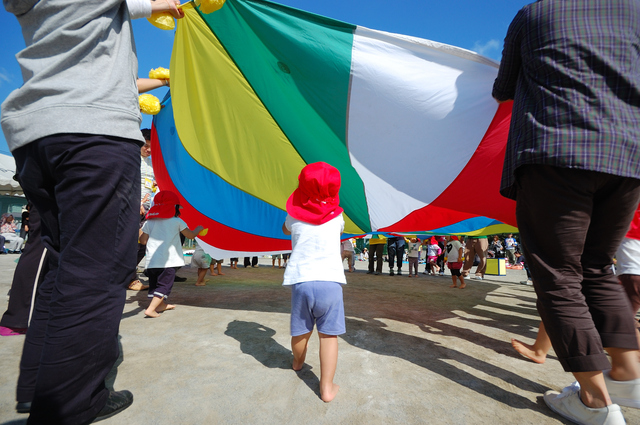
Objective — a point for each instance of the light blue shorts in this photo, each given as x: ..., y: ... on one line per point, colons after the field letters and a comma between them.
x: 318, y: 302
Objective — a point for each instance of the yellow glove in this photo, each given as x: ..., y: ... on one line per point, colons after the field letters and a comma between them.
x: 209, y: 6
x: 159, y: 73
x: 149, y: 104
x: 163, y: 20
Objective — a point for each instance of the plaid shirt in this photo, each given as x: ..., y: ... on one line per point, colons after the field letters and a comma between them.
x: 573, y: 70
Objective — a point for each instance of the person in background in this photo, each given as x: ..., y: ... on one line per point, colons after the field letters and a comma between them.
x: 161, y: 235
x: 347, y: 251
x: 476, y: 245
x: 8, y: 230
x: 395, y: 249
x: 24, y: 224
x: 510, y: 248
x: 413, y: 249
x: 454, y: 254
x: 376, y: 248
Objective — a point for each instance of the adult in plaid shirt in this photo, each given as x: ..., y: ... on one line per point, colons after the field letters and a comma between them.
x: 572, y: 69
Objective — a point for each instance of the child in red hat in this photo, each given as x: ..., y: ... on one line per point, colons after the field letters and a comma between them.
x: 314, y: 270
x: 161, y: 234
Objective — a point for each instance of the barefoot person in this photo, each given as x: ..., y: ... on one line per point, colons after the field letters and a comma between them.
x: 203, y: 262
x: 161, y: 233
x: 314, y: 271
x: 454, y: 256
x: 536, y: 352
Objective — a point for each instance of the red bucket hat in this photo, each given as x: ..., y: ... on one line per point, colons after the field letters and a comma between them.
x: 164, y: 205
x: 316, y: 199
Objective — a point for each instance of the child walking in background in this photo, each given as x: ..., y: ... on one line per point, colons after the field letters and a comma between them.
x: 433, y: 250
x: 204, y: 262
x: 315, y: 271
x: 161, y: 233
x: 413, y: 253
x: 454, y: 257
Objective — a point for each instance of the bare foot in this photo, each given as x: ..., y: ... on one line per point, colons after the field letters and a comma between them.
x: 220, y: 274
x: 203, y: 283
x: 328, y: 394
x: 527, y: 351
x: 464, y: 285
x: 164, y: 307
x: 453, y: 286
x: 151, y: 313
x: 297, y: 365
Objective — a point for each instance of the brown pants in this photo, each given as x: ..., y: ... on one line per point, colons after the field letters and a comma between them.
x: 631, y: 285
x: 571, y: 223
x: 473, y: 247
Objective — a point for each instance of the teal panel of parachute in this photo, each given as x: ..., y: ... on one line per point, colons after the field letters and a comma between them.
x: 210, y: 194
x: 299, y: 66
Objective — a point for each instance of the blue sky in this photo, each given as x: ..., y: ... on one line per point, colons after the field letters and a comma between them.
x: 474, y: 25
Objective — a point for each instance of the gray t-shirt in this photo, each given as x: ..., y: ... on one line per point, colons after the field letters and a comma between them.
x: 79, y: 69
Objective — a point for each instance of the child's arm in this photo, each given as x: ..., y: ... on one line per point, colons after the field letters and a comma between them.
x: 191, y: 234
x: 285, y: 230
x: 461, y: 254
x: 143, y: 238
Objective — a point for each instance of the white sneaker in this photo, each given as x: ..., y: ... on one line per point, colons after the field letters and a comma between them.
x: 479, y: 277
x: 624, y: 393
x: 568, y: 405
x: 527, y: 282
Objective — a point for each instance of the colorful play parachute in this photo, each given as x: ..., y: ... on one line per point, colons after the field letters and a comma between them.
x: 259, y: 90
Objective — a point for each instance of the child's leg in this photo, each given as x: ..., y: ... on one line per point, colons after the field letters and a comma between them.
x: 455, y: 283
x: 201, y: 274
x: 151, y: 310
x: 328, y: 364
x: 162, y: 291
x: 164, y: 306
x: 219, y: 267
x: 299, y: 348
x: 462, y: 283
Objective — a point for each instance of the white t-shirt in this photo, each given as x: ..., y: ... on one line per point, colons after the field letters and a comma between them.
x: 414, y: 249
x: 347, y: 245
x: 628, y: 257
x: 433, y: 250
x: 163, y: 247
x: 453, y: 248
x: 316, y: 252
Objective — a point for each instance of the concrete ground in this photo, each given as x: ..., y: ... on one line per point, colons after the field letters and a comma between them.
x: 415, y: 351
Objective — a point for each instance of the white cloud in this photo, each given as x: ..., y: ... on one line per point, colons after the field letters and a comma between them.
x: 489, y: 48
x: 4, y: 76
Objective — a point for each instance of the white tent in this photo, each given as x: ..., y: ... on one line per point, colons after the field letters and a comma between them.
x: 8, y: 186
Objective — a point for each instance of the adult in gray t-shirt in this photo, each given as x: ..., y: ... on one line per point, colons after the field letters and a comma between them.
x: 74, y: 130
